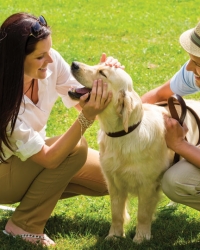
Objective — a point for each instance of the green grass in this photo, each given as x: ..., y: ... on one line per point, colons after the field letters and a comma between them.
x: 143, y: 35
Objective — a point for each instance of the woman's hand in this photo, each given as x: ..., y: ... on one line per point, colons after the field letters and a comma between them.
x: 99, y: 100
x: 110, y: 61
x: 175, y: 133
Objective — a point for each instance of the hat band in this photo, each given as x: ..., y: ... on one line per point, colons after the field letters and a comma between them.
x: 195, y: 38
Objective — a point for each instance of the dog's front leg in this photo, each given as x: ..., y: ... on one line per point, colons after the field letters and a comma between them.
x: 147, y: 201
x: 119, y: 213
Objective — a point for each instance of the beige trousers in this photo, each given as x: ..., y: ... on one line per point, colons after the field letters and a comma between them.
x: 181, y: 183
x: 38, y: 189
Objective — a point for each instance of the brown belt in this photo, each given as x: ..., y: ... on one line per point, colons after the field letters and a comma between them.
x: 178, y: 100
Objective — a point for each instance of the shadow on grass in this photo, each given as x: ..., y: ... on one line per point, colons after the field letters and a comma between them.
x: 170, y: 231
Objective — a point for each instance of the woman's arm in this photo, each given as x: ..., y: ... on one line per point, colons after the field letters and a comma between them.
x: 53, y: 155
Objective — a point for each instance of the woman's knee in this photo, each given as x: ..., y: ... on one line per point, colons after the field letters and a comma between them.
x: 82, y: 150
x: 78, y: 156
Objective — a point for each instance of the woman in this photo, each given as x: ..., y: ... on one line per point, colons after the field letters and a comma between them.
x: 36, y: 171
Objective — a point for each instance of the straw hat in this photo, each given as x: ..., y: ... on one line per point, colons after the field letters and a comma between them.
x: 190, y: 40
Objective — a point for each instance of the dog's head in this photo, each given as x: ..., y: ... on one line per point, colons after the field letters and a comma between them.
x: 85, y: 74
x: 119, y: 83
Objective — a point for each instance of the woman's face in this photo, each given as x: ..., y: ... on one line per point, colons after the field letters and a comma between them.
x: 35, y: 64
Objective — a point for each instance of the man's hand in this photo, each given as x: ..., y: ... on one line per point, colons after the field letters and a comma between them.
x: 110, y: 61
x: 175, y: 133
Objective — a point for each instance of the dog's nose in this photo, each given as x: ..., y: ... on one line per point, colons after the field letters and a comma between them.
x: 75, y: 65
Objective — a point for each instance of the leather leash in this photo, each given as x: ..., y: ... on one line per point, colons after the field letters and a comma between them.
x: 178, y: 100
x: 174, y: 115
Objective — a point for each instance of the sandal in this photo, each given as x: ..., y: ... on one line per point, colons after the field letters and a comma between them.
x: 33, y: 236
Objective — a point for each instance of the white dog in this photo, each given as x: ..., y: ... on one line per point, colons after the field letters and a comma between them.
x: 134, y: 160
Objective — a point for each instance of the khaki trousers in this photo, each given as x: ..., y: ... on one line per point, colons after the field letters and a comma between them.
x: 38, y: 189
x: 181, y: 183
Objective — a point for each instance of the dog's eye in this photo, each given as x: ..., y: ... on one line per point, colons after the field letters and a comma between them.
x: 101, y: 73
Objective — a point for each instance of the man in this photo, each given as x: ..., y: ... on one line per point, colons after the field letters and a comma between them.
x: 181, y: 183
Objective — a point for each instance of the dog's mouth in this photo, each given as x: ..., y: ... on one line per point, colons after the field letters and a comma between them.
x: 76, y: 93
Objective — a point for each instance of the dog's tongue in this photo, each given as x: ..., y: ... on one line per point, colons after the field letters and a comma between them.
x: 82, y: 91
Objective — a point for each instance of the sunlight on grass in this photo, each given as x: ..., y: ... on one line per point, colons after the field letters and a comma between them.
x: 143, y: 35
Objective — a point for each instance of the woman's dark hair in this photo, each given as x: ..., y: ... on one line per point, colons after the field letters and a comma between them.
x: 16, y: 42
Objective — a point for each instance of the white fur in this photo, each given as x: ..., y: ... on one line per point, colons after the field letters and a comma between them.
x: 133, y: 163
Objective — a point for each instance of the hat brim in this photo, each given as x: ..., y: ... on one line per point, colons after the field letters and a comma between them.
x: 187, y: 43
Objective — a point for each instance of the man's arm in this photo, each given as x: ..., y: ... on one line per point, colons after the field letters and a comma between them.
x: 159, y: 94
x: 175, y: 139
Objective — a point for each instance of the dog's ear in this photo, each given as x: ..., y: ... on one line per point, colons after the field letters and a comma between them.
x: 124, y: 107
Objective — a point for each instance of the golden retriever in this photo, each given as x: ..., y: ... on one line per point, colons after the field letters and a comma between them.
x: 132, y: 161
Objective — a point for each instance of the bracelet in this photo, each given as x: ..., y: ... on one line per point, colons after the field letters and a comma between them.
x: 84, y: 122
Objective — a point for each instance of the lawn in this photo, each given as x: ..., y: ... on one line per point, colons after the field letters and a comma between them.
x: 143, y: 35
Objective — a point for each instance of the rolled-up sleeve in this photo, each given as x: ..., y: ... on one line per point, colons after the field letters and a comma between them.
x: 25, y: 142
x: 29, y: 148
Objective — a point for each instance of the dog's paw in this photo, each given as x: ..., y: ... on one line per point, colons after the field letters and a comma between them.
x: 139, y: 238
x: 113, y: 237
